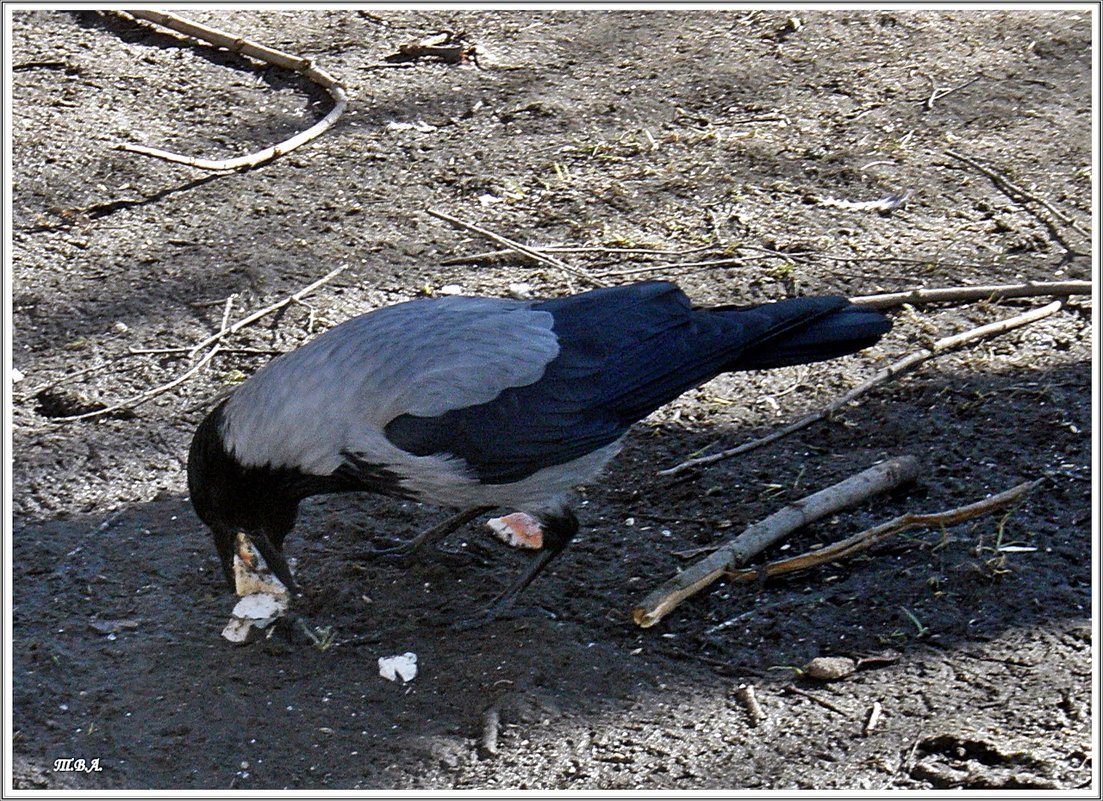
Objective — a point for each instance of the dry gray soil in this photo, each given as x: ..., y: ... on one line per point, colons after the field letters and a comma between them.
x: 722, y: 135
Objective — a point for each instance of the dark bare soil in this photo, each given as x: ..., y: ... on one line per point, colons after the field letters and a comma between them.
x: 727, y: 132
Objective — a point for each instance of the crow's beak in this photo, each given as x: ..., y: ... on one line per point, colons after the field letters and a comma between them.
x: 225, y: 540
x: 273, y: 557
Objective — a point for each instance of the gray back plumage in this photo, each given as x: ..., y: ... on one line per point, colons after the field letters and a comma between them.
x: 425, y: 357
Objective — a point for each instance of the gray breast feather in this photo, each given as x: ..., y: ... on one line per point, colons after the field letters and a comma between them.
x: 424, y: 357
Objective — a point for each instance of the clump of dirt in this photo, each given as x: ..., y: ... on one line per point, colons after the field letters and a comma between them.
x: 739, y: 143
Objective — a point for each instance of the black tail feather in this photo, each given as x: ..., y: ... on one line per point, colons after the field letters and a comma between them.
x: 823, y: 328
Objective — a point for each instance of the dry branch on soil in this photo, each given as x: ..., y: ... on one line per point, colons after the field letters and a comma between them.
x: 968, y: 294
x: 524, y: 250
x: 268, y: 55
x: 746, y: 696
x: 897, y: 368
x: 494, y: 255
x: 297, y: 297
x: 759, y: 536
x: 865, y: 540
x: 937, y: 93
x: 214, y: 340
x: 141, y: 398
x: 448, y: 46
x: 838, y: 710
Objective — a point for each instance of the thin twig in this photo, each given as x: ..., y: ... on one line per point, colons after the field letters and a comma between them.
x: 492, y: 255
x: 268, y: 55
x: 78, y: 374
x: 638, y: 251
x: 252, y: 318
x: 715, y: 223
x: 696, y: 265
x: 821, y: 701
x: 214, y: 341
x: 897, y: 368
x: 938, y: 94
x: 931, y: 262
x: 138, y: 400
x: 358, y: 640
x: 759, y: 536
x: 211, y: 400
x: 806, y: 601
x: 929, y: 102
x: 966, y: 294
x: 183, y: 350
x: 865, y: 540
x: 1005, y: 184
x: 533, y: 254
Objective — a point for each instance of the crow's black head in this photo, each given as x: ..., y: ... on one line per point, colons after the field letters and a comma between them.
x: 230, y: 497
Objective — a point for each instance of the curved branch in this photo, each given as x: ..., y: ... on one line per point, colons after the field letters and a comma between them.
x: 268, y: 55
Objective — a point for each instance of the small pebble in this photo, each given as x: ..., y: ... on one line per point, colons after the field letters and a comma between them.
x: 829, y: 668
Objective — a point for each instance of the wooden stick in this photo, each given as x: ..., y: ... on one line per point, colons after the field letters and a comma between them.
x: 873, y: 717
x: 78, y: 374
x: 838, y: 710
x: 639, y: 251
x: 967, y: 294
x: 917, y: 261
x: 867, y: 539
x: 759, y: 536
x: 746, y: 696
x: 180, y: 351
x: 532, y: 253
x: 268, y: 55
x: 138, y: 400
x: 491, y: 255
x: 734, y: 261
x: 904, y: 365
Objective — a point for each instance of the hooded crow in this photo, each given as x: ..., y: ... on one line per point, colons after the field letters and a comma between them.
x: 471, y: 402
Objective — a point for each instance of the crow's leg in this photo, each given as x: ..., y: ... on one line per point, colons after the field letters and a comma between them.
x: 406, y: 551
x: 272, y: 552
x: 558, y: 529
